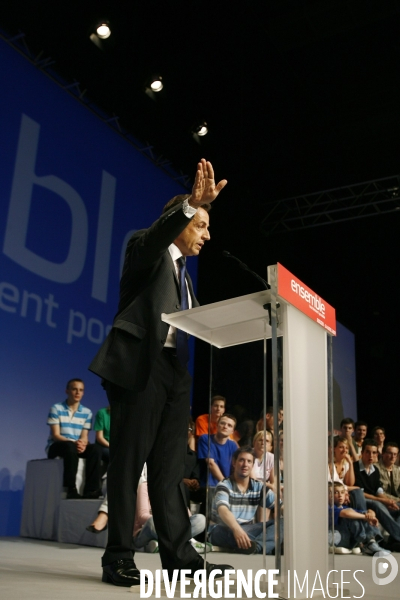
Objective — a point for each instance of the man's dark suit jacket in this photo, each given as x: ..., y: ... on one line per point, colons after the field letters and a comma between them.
x: 148, y: 287
x: 370, y: 483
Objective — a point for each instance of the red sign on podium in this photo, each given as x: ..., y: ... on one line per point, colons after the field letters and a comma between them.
x: 294, y: 291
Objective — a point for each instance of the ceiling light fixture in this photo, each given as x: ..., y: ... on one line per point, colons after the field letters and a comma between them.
x: 157, y: 84
x: 202, y: 129
x: 103, y: 30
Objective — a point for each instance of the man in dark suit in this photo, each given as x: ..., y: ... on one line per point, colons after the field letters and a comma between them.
x: 143, y: 365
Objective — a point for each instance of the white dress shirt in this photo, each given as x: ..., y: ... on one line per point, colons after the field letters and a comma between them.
x: 175, y: 255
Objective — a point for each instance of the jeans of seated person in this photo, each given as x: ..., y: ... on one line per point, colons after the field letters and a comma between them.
x: 389, y: 521
x: 148, y: 531
x: 357, y: 500
x: 222, y: 535
x: 355, y: 532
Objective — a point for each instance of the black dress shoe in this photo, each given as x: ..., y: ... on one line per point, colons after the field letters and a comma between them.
x: 199, y: 565
x: 93, y: 529
x: 121, y: 572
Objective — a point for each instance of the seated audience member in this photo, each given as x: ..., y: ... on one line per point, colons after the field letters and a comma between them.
x: 244, y: 433
x: 144, y: 531
x: 70, y: 423
x: 238, y: 513
x: 102, y: 429
x: 218, y: 406
x: 101, y: 521
x: 378, y: 435
x: 263, y: 458
x: 358, y: 530
x: 221, y: 452
x: 389, y: 472
x: 191, y: 475
x: 269, y: 419
x: 360, y: 433
x: 367, y: 477
x: 347, y: 431
x: 343, y: 469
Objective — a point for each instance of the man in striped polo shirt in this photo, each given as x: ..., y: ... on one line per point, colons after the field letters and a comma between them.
x: 238, y: 512
x: 70, y: 423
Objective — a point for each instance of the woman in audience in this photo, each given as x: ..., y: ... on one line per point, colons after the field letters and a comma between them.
x: 264, y: 459
x: 378, y: 434
x: 343, y: 470
x: 100, y: 522
x: 144, y: 533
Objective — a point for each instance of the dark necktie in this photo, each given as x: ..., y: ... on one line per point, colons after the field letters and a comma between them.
x: 182, y: 346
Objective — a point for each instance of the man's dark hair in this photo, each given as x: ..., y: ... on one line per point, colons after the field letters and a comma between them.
x: 74, y: 379
x: 390, y: 444
x: 245, y: 430
x: 358, y: 423
x: 375, y: 429
x: 243, y: 450
x: 179, y: 199
x: 218, y: 398
x: 368, y: 442
x: 347, y: 421
x: 269, y: 411
x: 228, y: 416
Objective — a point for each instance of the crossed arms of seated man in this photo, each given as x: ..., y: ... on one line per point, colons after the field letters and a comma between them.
x: 81, y: 443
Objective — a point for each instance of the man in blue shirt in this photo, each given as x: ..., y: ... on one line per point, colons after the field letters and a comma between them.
x: 70, y: 423
x: 221, y: 452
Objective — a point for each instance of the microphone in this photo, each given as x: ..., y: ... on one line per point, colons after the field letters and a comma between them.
x: 243, y: 266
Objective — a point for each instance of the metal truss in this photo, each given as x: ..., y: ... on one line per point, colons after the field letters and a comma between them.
x: 367, y: 199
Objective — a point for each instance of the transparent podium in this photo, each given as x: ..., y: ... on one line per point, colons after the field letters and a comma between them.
x: 301, y: 381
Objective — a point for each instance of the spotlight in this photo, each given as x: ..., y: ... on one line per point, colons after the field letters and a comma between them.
x: 202, y: 129
x: 157, y: 84
x: 198, y: 130
x: 103, y: 31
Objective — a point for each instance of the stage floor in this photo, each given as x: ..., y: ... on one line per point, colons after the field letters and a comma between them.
x: 33, y: 569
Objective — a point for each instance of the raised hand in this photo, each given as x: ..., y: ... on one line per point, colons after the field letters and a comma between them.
x: 204, y: 189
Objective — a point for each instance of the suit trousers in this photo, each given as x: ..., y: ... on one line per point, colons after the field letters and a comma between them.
x: 150, y: 426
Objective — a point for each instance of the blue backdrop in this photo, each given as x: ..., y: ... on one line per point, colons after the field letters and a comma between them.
x: 72, y: 190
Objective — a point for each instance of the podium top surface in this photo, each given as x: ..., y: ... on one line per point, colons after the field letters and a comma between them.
x: 227, y: 323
